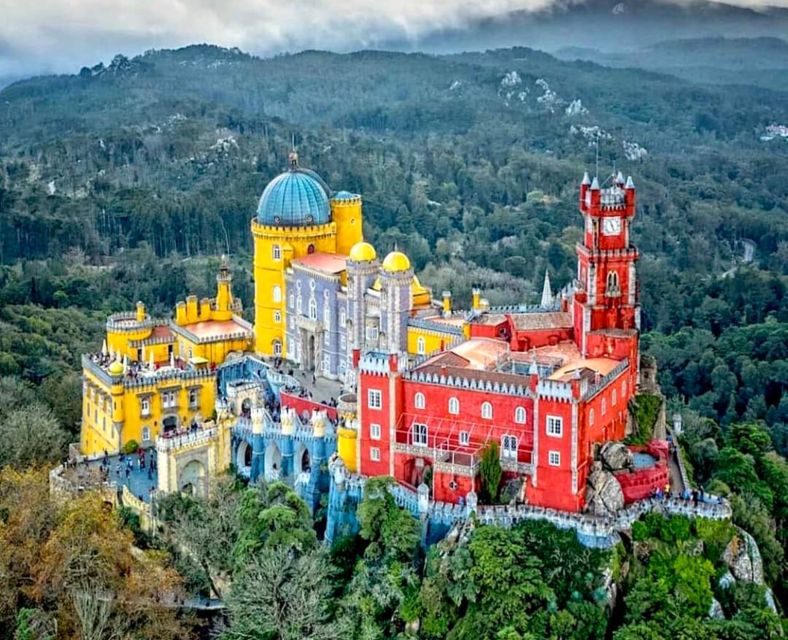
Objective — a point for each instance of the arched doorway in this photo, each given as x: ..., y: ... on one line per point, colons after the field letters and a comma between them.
x: 246, y: 407
x: 170, y: 423
x: 272, y: 467
x: 243, y: 458
x: 302, y: 460
x: 310, y: 358
x: 192, y: 481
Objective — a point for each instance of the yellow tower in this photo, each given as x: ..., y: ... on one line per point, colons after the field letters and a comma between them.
x: 294, y: 218
x: 346, y: 213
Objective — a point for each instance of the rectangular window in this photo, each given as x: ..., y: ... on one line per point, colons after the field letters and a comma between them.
x: 342, y: 343
x: 374, y: 399
x: 327, y: 338
x: 277, y: 252
x: 374, y: 454
x: 374, y: 432
x: 465, y: 438
x: 372, y: 334
x: 193, y: 398
x: 554, y: 458
x: 555, y: 426
x: 419, y: 434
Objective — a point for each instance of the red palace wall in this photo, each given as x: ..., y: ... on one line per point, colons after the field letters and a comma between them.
x: 302, y: 405
x: 388, y: 388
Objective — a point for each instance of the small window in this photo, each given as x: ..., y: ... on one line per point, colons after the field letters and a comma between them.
x: 555, y: 426
x: 374, y: 454
x: 591, y: 418
x: 454, y: 406
x: 419, y: 434
x: 277, y: 348
x: 487, y: 411
x: 604, y: 406
x: 342, y: 342
x: 421, y: 345
x: 342, y: 318
x: 310, y: 249
x: 312, y: 309
x: 277, y: 317
x: 145, y: 434
x: 327, y: 338
x: 554, y: 458
x: 292, y: 301
x: 624, y: 389
x: 145, y: 406
x: 372, y: 334
x: 612, y: 281
x: 519, y: 415
x: 327, y: 363
x: 299, y: 306
x: 276, y: 252
x: 613, y: 398
x: 193, y: 397
x: 419, y: 401
x: 465, y: 438
x: 509, y: 447
x: 374, y: 399
x: 374, y: 432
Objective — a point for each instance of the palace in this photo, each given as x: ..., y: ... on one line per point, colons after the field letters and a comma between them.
x: 411, y: 387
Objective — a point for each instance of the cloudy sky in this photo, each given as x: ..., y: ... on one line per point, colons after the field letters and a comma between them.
x: 63, y: 35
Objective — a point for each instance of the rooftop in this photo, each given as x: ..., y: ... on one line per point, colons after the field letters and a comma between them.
x: 324, y: 262
x: 211, y: 330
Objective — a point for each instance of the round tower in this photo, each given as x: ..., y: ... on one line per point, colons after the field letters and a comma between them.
x: 396, y: 301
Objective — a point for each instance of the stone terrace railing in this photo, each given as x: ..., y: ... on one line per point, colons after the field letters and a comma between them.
x: 188, y: 438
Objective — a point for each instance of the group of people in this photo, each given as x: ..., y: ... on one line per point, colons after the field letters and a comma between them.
x: 126, y: 464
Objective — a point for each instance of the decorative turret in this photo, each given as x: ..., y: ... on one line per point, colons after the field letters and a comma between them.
x: 446, y: 304
x: 224, y: 292
x: 396, y: 302
x: 547, y: 293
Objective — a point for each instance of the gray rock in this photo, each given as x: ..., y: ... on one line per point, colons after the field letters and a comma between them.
x: 604, y: 496
x: 715, y: 611
x: 616, y: 456
x: 512, y: 491
x: 744, y: 558
x: 727, y: 580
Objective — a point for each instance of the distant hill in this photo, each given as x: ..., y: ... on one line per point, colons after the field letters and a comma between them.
x: 759, y: 61
x: 608, y: 26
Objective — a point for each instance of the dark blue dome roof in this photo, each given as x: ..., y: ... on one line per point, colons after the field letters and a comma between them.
x: 296, y: 198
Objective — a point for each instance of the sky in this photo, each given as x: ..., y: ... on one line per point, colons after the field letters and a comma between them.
x: 61, y: 36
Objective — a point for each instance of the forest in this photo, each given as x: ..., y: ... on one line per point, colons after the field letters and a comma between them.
x: 126, y: 182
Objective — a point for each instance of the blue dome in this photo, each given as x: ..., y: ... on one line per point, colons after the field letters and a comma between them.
x: 296, y: 198
x: 345, y: 195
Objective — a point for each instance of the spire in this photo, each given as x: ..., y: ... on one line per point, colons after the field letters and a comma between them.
x: 586, y: 179
x: 595, y: 184
x: 630, y: 183
x: 104, y: 350
x: 547, y: 293
x: 619, y: 178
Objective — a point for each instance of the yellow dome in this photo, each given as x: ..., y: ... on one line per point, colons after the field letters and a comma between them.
x: 396, y: 262
x: 116, y: 369
x: 362, y: 252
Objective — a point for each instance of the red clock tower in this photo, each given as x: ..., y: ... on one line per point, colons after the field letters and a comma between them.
x: 606, y: 298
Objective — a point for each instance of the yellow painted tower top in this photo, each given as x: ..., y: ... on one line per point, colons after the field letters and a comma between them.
x: 363, y: 252
x: 396, y: 262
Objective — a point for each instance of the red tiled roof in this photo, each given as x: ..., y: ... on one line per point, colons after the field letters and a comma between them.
x: 160, y: 331
x: 325, y: 262
x: 215, y: 328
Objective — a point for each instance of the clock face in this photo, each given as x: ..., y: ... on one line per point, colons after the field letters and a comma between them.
x: 611, y: 226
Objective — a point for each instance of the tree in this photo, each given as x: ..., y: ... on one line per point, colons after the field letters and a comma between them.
x: 31, y: 435
x: 491, y: 472
x: 281, y: 594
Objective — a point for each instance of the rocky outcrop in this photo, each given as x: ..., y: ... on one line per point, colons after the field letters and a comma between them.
x: 616, y: 456
x: 512, y: 490
x: 744, y: 558
x: 604, y: 496
x: 715, y: 611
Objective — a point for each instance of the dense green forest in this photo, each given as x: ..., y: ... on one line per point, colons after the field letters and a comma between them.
x: 125, y: 182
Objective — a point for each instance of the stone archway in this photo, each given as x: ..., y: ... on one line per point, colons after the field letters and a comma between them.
x: 272, y: 466
x: 243, y: 457
x: 192, y: 478
x: 302, y: 461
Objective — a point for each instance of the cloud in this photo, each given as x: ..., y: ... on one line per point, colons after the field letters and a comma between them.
x: 63, y: 35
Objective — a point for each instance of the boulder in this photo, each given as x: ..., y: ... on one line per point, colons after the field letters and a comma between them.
x: 727, y: 580
x: 744, y: 559
x: 616, y: 456
x: 715, y: 611
x: 604, y: 496
x: 512, y: 491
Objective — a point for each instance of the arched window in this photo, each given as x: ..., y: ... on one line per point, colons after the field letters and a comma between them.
x: 454, y: 406
x: 276, y: 294
x: 487, y: 411
x: 591, y: 418
x: 421, y: 345
x: 145, y: 434
x: 292, y: 301
x: 612, y: 281
x: 276, y: 252
x: 312, y: 309
x: 604, y: 406
x: 519, y: 415
x: 613, y: 398
x: 310, y: 248
x: 299, y: 306
x: 419, y: 401
x: 327, y: 316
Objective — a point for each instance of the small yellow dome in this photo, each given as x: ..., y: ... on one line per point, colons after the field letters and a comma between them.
x: 396, y: 262
x: 116, y: 369
x: 362, y: 252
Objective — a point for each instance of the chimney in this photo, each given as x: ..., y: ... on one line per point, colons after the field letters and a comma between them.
x: 447, y: 304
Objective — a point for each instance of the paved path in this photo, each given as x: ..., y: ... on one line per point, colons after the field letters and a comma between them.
x: 138, y: 481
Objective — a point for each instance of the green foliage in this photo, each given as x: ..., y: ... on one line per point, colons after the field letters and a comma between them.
x: 644, y: 408
x: 491, y: 473
x: 132, y: 446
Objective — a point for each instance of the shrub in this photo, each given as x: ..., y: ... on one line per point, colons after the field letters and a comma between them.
x: 130, y: 447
